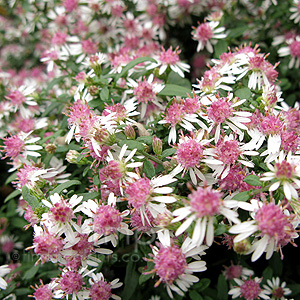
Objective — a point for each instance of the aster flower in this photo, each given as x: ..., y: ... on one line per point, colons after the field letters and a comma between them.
x: 201, y: 207
x: 59, y: 219
x: 276, y: 290
x: 286, y: 173
x: 189, y: 154
x: 225, y: 154
x: 145, y: 92
x: 44, y: 291
x: 106, y: 220
x: 293, y: 50
x: 272, y: 226
x: 224, y: 110
x: 169, y: 58
x: 101, y: 289
x: 18, y: 146
x: 237, y: 271
x: 177, y: 114
x: 207, y: 34
x: 4, y: 270
x: 249, y: 289
x: 170, y: 263
x: 144, y: 194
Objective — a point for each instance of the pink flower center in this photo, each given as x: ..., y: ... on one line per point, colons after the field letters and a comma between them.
x: 112, y: 171
x: 271, y: 125
x: 47, y: 245
x: 219, y: 110
x: 278, y: 293
x: 78, y: 112
x: 228, y: 151
x: 203, y: 32
x: 295, y: 49
x: 139, y: 223
x: 256, y: 63
x: 100, y: 290
x: 284, y: 170
x: 250, y: 289
x: 119, y: 110
x: 88, y: 47
x: 71, y: 282
x: 175, y: 113
x: 205, y: 201
x: 62, y: 213
x: 8, y: 246
x: 16, y: 97
x: 169, y: 57
x: 144, y: 92
x: 189, y: 153
x: 170, y: 262
x: 14, y: 145
x: 43, y: 293
x: 271, y: 220
x: 191, y: 105
x: 139, y: 192
x: 107, y: 220
x: 70, y: 5
x: 233, y: 272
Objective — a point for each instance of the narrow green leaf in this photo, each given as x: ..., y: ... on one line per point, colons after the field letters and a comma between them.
x: 132, y: 64
x: 132, y: 144
x: 253, y: 180
x: 11, y: 177
x: 220, y: 47
x: 222, y: 288
x: 31, y: 200
x: 193, y: 295
x: 145, y: 139
x: 104, y: 94
x: 31, y: 272
x: 143, y: 278
x: 237, y: 31
x: 175, y: 90
x: 149, y: 169
x: 64, y: 185
x: 168, y: 152
x: 243, y: 93
x: 131, y: 281
x: 243, y: 196
x: 12, y: 195
x: 87, y: 196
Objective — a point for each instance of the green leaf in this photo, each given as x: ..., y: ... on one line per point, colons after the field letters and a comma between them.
x: 149, y: 169
x: 175, y: 90
x: 64, y: 185
x: 143, y: 278
x: 243, y: 93
x: 19, y: 223
x: 10, y: 178
x: 220, y: 47
x: 132, y: 64
x: 95, y: 103
x: 193, y: 295
x: 87, y: 196
x: 237, y: 31
x: 295, y: 288
x: 253, y: 180
x: 202, y: 285
x: 168, y: 152
x: 12, y: 195
x: 55, y: 81
x: 23, y: 291
x: 132, y: 144
x: 174, y: 78
x: 221, y: 228
x: 145, y: 139
x: 96, y: 180
x: 104, y: 94
x: 243, y: 196
x: 32, y: 200
x: 267, y: 274
x: 222, y: 288
x: 131, y: 280
x: 31, y: 272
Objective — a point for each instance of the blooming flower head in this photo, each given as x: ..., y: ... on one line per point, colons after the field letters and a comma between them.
x: 202, y: 205
x: 145, y: 194
x: 101, y: 289
x: 189, y: 154
x: 276, y: 290
x: 17, y: 146
x: 171, y: 266
x: 169, y: 58
x: 237, y: 271
x: 292, y: 49
x: 145, y: 92
x: 106, y: 220
x: 249, y: 289
x: 273, y: 227
x: 286, y: 173
x: 206, y: 34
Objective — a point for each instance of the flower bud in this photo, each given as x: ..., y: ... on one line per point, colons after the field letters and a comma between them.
x: 72, y: 157
x: 50, y: 148
x: 242, y: 247
x: 157, y: 145
x: 130, y: 132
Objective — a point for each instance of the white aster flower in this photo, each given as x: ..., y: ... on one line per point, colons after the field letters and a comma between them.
x: 4, y: 270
